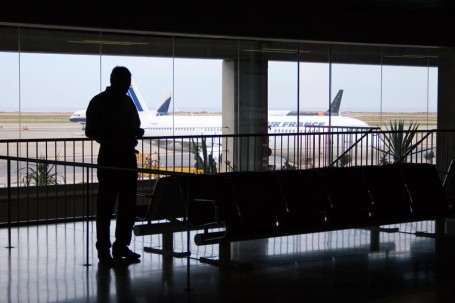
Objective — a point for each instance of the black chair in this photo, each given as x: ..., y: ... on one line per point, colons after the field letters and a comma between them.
x: 449, y: 186
x: 307, y: 201
x: 428, y: 198
x: 212, y: 208
x: 349, y: 196
x: 210, y: 200
x: 259, y: 203
x: 391, y: 201
x: 166, y: 214
x: 166, y: 203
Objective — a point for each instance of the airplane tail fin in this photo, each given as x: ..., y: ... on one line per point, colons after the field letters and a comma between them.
x: 163, y: 110
x: 137, y: 99
x: 334, y: 108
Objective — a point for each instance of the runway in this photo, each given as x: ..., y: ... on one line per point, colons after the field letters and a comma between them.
x: 41, y: 131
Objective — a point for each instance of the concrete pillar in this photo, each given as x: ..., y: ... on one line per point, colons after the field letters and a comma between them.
x: 229, y: 109
x: 446, y: 108
x: 245, y: 107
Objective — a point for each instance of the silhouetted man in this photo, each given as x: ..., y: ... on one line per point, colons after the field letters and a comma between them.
x: 113, y: 121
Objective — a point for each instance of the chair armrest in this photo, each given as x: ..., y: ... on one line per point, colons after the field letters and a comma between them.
x: 143, y: 195
x: 203, y: 212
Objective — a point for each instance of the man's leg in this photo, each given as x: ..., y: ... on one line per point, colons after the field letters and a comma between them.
x: 106, y: 199
x: 126, y: 217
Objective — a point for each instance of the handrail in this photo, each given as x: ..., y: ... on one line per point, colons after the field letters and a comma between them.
x: 172, y: 155
x: 91, y: 165
x: 330, y: 130
x: 353, y: 145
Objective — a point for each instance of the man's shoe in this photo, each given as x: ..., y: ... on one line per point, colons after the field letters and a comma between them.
x: 124, y: 252
x: 105, y: 259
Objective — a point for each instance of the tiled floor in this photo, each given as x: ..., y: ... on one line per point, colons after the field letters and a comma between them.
x: 49, y: 264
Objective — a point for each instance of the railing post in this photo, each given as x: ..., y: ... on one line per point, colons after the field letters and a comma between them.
x: 9, y: 203
x: 87, y: 207
x: 188, y: 229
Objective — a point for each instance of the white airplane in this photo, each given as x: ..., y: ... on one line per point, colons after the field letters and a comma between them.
x: 211, y: 125
x: 281, y: 143
x: 78, y: 116
x: 279, y: 122
x: 142, y: 108
x: 159, y: 123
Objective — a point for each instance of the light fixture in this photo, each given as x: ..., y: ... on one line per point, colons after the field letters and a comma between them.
x: 275, y: 50
x: 107, y: 42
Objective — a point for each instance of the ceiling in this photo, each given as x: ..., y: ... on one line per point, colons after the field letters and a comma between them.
x: 45, y: 40
x: 385, y: 22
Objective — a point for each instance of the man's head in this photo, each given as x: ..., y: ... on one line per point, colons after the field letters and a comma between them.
x: 120, y: 79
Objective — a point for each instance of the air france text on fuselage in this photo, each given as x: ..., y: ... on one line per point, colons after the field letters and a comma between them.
x: 294, y: 124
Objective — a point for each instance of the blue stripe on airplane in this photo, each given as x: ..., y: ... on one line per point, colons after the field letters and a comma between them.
x: 77, y: 119
x: 133, y: 96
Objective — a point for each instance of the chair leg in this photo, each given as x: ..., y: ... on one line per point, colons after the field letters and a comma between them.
x: 225, y: 251
x: 168, y: 247
x: 440, y: 227
x: 374, y: 238
x: 168, y: 241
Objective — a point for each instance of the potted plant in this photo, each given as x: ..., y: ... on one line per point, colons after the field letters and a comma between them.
x: 398, y: 142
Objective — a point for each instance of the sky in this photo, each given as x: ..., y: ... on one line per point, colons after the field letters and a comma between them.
x: 66, y: 83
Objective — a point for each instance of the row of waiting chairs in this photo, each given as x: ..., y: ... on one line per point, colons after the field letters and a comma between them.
x: 253, y: 205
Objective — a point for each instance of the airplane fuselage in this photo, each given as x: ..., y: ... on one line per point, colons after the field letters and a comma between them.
x: 212, y: 125
x: 182, y: 125
x: 283, y: 128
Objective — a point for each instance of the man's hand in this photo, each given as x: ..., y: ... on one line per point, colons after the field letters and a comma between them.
x: 140, y: 133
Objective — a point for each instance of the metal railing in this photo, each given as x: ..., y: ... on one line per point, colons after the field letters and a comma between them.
x: 47, y: 179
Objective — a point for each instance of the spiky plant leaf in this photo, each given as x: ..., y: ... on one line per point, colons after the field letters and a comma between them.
x: 398, y: 142
x: 40, y: 174
x: 206, y: 162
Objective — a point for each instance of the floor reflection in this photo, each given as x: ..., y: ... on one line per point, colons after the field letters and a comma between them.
x: 48, y: 264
